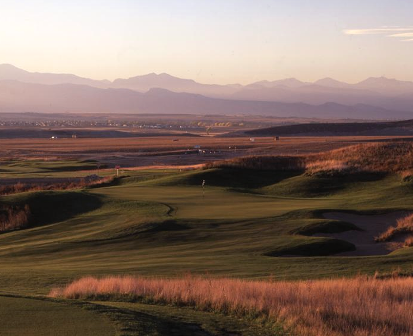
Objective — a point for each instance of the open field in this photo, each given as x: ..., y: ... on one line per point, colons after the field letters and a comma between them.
x: 255, y: 223
x: 167, y: 150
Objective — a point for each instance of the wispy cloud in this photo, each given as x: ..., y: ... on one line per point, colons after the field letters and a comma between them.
x: 402, y: 35
x: 394, y: 31
x: 383, y: 31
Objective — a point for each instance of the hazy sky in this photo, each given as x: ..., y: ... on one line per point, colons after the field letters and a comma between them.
x: 211, y: 41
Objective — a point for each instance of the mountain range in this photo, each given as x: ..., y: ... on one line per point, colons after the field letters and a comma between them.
x: 373, y: 98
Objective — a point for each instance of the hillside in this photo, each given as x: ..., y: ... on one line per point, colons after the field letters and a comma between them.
x: 395, y: 128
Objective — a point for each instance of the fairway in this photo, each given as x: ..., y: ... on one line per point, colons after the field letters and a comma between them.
x: 31, y: 317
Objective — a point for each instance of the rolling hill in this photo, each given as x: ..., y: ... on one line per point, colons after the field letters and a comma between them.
x: 395, y: 128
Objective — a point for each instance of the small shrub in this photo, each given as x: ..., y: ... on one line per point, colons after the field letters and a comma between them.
x: 14, y: 217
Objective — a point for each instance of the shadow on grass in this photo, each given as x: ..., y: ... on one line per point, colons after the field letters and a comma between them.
x: 49, y: 207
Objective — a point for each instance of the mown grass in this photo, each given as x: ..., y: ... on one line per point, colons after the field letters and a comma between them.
x: 26, y: 316
x: 225, y: 232
x: 55, y: 168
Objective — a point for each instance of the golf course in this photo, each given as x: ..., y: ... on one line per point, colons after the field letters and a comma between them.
x: 259, y: 224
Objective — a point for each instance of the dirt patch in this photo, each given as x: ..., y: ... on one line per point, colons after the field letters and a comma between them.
x: 372, y: 226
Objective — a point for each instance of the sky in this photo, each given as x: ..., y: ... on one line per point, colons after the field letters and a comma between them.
x: 211, y: 41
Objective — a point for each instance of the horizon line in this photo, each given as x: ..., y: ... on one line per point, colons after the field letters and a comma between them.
x: 227, y: 84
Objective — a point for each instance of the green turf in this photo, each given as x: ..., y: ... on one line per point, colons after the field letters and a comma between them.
x: 162, y: 223
x: 30, y: 317
x: 41, y: 169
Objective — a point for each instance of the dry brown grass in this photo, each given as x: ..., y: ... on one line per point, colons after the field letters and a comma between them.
x: 404, y: 226
x: 70, y: 184
x: 388, y: 157
x: 408, y: 242
x: 343, y: 307
x: 326, y: 166
x: 385, y: 157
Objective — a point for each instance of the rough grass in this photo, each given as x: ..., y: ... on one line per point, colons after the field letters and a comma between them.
x: 390, y: 157
x: 67, y: 185
x: 14, y: 217
x: 404, y: 226
x: 408, y: 242
x: 358, y: 307
x: 376, y: 157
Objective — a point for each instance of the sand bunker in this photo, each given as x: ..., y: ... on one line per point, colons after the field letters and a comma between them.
x: 372, y: 226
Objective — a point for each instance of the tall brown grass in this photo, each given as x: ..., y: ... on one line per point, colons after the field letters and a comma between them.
x: 390, y: 157
x: 68, y: 185
x: 14, y: 217
x: 404, y: 226
x: 408, y: 242
x: 357, y: 307
x: 326, y: 166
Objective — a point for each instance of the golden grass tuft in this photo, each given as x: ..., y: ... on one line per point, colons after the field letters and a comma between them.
x: 408, y: 242
x: 326, y: 166
x: 404, y: 226
x: 359, y: 307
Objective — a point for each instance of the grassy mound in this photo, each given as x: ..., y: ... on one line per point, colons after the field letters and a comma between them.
x: 390, y: 157
x: 225, y: 177
x: 312, y: 248
x: 332, y: 226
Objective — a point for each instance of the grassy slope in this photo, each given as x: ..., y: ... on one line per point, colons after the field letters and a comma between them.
x: 156, y: 227
x: 42, y: 169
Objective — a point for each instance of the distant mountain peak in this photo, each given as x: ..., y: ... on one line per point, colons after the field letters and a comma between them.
x: 287, y: 82
x: 386, y: 85
x: 6, y: 68
x: 331, y: 82
x: 7, y: 65
x: 327, y: 80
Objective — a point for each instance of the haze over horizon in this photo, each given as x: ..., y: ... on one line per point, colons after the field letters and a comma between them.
x: 211, y: 42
